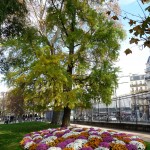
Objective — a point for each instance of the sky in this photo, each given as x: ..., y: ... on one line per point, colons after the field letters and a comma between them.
x: 134, y: 63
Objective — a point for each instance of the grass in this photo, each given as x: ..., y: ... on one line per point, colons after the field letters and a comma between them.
x: 12, y: 134
x: 148, y: 145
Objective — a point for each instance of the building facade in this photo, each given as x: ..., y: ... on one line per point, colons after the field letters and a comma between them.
x: 147, y: 73
x: 138, y: 83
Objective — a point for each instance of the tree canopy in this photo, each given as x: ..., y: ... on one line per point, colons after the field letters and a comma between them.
x: 67, y: 58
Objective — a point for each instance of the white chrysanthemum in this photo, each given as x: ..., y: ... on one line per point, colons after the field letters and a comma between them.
x: 54, y: 133
x: 28, y: 144
x: 94, y: 136
x: 64, y: 130
x: 115, y: 139
x: 49, y: 139
x: 75, y: 129
x: 54, y: 148
x: 112, y: 133
x: 101, y: 148
x: 134, y: 137
x: 37, y: 137
x: 92, y: 132
x: 52, y: 130
x: 70, y: 133
x: 118, y: 142
x: 75, y: 146
x: 81, y: 141
x: 27, y: 137
x: 49, y: 129
x: 70, y: 127
x: 139, y: 145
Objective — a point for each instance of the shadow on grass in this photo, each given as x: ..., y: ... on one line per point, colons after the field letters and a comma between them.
x: 12, y: 134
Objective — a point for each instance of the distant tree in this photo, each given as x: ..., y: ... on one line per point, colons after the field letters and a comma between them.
x: 12, y: 17
x: 15, y: 102
x: 3, y: 104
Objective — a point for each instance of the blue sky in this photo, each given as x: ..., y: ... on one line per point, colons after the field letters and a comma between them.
x: 135, y: 62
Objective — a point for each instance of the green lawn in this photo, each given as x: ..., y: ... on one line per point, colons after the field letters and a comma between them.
x: 148, y: 145
x: 12, y: 134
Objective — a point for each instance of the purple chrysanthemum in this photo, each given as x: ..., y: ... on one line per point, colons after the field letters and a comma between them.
x: 82, y: 137
x: 37, y: 140
x: 42, y: 146
x: 131, y: 147
x: 122, y: 134
x: 67, y: 131
x: 104, y: 144
x: 65, y: 143
x: 59, y: 134
x: 108, y: 139
x: 62, y: 145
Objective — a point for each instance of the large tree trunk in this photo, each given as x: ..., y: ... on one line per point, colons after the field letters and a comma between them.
x: 56, y: 117
x: 67, y: 110
x: 66, y: 117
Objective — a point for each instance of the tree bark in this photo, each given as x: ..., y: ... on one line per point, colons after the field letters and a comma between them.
x: 56, y: 117
x: 66, y: 117
x: 67, y: 110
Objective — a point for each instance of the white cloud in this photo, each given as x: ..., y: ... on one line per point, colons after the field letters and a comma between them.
x: 133, y: 63
x: 126, y: 2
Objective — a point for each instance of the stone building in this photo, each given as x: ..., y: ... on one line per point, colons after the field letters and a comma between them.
x: 138, y: 83
x: 147, y: 73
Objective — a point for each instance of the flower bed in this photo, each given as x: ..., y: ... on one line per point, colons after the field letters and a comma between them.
x: 74, y: 138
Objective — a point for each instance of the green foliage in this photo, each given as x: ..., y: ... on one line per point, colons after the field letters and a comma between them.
x: 12, y: 17
x: 74, y: 69
x: 15, y: 101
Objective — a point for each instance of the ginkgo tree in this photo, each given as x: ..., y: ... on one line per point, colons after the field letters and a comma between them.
x: 77, y: 67
x: 90, y: 42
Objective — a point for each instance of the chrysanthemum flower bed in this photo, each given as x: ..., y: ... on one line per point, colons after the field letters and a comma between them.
x: 74, y: 138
